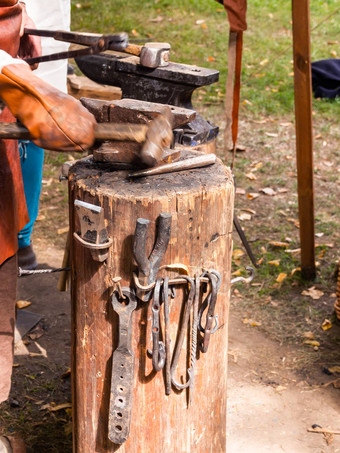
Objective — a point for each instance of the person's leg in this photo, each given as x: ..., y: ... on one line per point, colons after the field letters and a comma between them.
x: 32, y: 159
x: 8, y: 292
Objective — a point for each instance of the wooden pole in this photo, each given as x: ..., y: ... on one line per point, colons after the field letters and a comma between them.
x: 304, y: 134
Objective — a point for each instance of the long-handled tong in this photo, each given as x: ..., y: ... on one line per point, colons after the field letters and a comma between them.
x: 95, y: 43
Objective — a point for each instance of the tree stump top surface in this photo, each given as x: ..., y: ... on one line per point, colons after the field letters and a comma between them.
x: 105, y: 178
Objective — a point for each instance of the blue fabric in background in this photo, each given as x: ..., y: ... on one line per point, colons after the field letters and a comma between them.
x: 32, y: 159
x: 326, y: 78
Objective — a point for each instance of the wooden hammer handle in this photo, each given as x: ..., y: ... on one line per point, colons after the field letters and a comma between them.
x: 132, y: 49
x: 103, y: 131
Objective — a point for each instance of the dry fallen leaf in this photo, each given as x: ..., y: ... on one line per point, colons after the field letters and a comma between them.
x: 326, y: 325
x: 250, y: 211
x: 251, y: 176
x: 312, y: 342
x: 237, y: 293
x: 280, y: 388
x: 278, y: 244
x: 240, y: 191
x: 334, y: 369
x: 252, y: 195
x: 62, y: 230
x: 23, y: 304
x: 321, y: 254
x: 293, y: 251
x: 256, y: 166
x: 308, y: 335
x: 319, y: 235
x: 251, y: 322
x: 237, y: 253
x: 274, y: 262
x: 271, y: 134
x: 296, y: 269
x: 281, y: 277
x: 54, y: 408
x: 157, y: 19
x: 312, y: 292
x: 244, y: 216
x: 268, y: 191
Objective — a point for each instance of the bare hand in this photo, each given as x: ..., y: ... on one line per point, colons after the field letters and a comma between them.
x: 30, y: 46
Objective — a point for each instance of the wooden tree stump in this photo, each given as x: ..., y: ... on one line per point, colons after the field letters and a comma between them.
x: 201, y: 203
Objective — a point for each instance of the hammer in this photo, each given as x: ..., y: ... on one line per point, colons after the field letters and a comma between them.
x: 154, y: 138
x: 152, y: 54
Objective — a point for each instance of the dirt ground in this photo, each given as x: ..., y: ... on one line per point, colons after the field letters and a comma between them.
x: 278, y: 386
x: 271, y: 402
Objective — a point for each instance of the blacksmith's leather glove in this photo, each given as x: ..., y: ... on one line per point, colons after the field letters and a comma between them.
x: 55, y: 120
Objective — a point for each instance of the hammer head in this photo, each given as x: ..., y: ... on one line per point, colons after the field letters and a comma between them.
x: 155, y: 54
x: 158, y: 136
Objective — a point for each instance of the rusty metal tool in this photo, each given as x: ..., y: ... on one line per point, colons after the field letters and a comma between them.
x: 123, y: 361
x: 210, y: 302
x: 95, y: 43
x: 158, y: 348
x: 93, y: 234
x: 165, y: 297
x: 181, y: 336
x: 245, y: 242
x: 186, y: 164
x: 148, y: 267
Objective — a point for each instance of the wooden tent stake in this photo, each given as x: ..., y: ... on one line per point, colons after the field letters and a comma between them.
x: 304, y: 134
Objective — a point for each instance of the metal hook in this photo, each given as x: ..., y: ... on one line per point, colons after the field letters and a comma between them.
x: 245, y: 279
x: 180, y: 341
x: 210, y: 301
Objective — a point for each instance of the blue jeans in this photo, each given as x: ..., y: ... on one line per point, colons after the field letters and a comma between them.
x: 32, y: 159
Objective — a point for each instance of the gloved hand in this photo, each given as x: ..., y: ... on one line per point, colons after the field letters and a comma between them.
x: 54, y: 119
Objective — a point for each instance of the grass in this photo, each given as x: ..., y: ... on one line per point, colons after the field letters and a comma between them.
x: 198, y: 33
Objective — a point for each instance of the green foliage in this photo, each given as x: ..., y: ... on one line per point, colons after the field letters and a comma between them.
x: 198, y: 33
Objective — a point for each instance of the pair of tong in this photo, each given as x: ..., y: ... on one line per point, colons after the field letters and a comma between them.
x: 95, y: 43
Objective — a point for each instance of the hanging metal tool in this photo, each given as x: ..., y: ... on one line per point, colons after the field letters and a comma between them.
x: 158, y: 348
x: 165, y: 297
x: 181, y: 336
x: 148, y: 267
x: 210, y: 302
x: 93, y: 234
x: 123, y: 361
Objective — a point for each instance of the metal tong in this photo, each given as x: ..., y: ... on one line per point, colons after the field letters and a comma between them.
x: 95, y: 43
x: 148, y: 267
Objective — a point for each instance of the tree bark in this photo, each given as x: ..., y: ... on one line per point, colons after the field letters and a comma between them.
x: 201, y: 203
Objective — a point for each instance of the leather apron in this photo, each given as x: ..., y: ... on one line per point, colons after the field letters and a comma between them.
x: 13, y: 211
